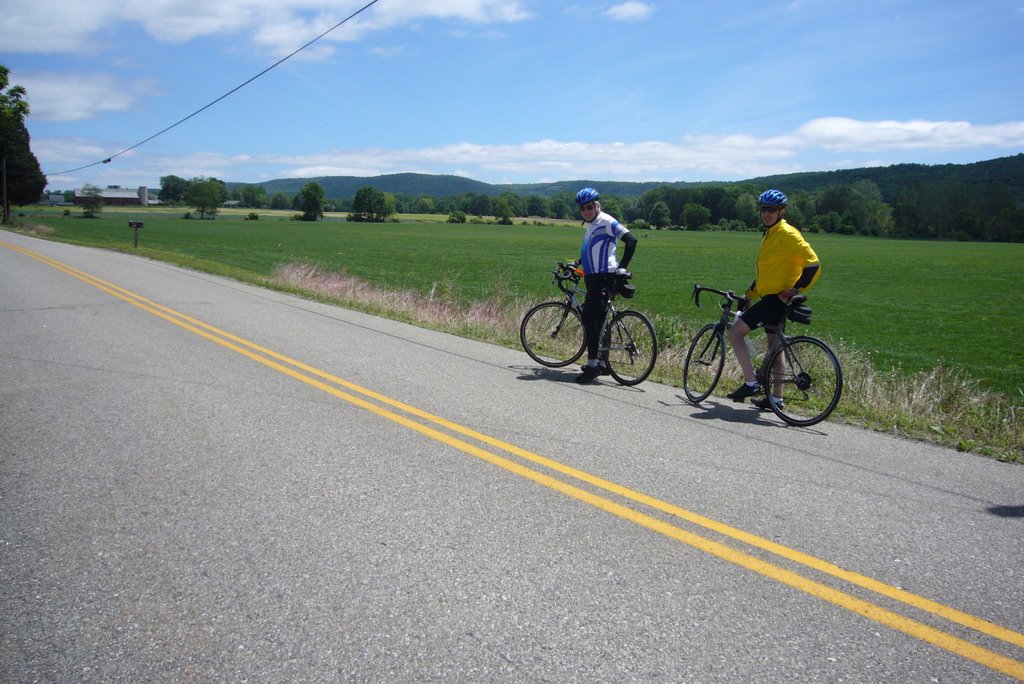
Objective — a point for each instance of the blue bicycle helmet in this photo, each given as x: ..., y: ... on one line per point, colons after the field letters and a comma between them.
x: 772, y: 198
x: 587, y: 195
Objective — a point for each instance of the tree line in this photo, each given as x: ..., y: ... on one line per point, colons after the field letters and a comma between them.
x: 208, y: 195
x: 942, y: 209
x: 947, y: 210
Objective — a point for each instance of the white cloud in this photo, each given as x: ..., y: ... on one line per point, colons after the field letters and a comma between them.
x: 630, y: 11
x: 706, y: 156
x: 840, y: 133
x: 387, y: 52
x: 65, y: 26
x: 279, y: 26
x: 392, y: 12
x: 696, y: 157
x: 74, y: 150
x: 177, y: 21
x: 76, y: 97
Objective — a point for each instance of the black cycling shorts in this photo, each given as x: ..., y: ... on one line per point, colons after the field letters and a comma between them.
x: 768, y: 310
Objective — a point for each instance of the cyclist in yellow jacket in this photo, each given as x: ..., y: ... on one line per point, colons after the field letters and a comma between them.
x: 786, y: 263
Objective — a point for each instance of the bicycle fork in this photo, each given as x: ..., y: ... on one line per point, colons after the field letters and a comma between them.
x: 606, y: 336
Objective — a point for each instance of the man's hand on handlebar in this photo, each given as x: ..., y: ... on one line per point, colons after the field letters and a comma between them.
x: 741, y: 301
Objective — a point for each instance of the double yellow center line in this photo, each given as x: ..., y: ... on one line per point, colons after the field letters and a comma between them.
x: 428, y: 425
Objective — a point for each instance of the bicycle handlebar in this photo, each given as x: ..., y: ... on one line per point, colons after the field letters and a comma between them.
x: 728, y: 294
x: 567, y: 271
x: 572, y: 271
x: 733, y: 297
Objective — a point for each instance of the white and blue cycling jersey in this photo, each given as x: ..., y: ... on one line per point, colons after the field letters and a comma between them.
x: 597, y: 255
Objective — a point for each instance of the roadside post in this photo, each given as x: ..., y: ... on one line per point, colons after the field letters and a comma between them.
x: 135, y: 225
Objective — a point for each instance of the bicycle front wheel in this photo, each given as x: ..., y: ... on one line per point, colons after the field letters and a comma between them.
x: 704, y: 362
x: 808, y: 375
x: 552, y: 334
x: 632, y: 347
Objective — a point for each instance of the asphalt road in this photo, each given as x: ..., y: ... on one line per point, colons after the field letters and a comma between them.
x: 206, y: 481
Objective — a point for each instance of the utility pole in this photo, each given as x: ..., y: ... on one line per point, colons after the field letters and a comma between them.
x: 7, y: 207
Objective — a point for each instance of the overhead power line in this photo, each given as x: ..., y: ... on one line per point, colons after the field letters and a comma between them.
x: 207, y: 106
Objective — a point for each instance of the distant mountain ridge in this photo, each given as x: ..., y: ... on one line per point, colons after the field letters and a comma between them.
x: 339, y: 187
x: 889, y: 179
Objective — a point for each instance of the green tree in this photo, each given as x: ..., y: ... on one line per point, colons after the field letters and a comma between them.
x: 370, y: 204
x: 253, y: 196
x: 172, y: 189
x: 659, y: 215
x: 390, y: 206
x: 23, y: 179
x: 481, y: 205
x: 831, y: 222
x: 696, y: 216
x: 835, y: 198
x: 538, y: 206
x: 205, y: 195
x: 92, y: 202
x: 632, y: 211
x: 516, y: 203
x: 424, y: 204
x: 802, y: 208
x: 714, y: 198
x: 746, y: 210
x: 311, y: 201
x: 611, y: 206
x: 563, y: 205
x: 503, y: 211
x: 867, y: 210
x: 907, y: 210
x: 1008, y: 226
x: 279, y: 200
x: 969, y: 225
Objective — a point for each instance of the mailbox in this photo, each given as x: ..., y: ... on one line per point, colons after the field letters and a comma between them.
x: 135, y: 225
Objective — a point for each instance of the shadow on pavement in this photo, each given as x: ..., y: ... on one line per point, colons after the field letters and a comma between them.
x: 1007, y: 511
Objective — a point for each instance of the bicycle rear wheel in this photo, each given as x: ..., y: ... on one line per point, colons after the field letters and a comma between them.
x: 704, y: 362
x: 632, y: 348
x: 811, y: 381
x: 552, y: 334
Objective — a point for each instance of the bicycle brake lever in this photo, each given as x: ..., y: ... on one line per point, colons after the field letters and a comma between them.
x: 695, y: 295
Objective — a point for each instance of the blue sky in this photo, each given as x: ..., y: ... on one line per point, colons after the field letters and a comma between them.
x: 513, y: 92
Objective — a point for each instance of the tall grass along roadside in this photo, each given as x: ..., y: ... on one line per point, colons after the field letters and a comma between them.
x: 921, y: 328
x: 942, y: 405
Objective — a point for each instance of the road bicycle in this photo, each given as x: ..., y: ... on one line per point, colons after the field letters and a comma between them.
x: 802, y: 370
x: 552, y: 332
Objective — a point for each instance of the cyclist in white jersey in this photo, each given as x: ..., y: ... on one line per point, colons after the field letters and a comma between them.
x: 597, y: 257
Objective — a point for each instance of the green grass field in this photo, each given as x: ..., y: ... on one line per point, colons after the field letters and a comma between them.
x: 911, y: 305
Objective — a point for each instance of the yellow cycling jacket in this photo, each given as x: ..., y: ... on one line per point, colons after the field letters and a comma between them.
x: 781, y: 262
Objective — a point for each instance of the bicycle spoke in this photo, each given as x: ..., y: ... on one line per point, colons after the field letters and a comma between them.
x: 632, y: 347
x: 552, y: 334
x: 704, y: 362
x: 808, y: 377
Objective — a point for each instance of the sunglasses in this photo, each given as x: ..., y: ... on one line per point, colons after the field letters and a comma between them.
x: 589, y: 206
x: 769, y: 210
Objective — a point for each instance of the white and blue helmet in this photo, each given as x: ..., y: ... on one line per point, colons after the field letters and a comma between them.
x: 772, y: 198
x: 587, y: 195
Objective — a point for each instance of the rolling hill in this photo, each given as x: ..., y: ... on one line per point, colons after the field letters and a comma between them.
x: 889, y: 179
